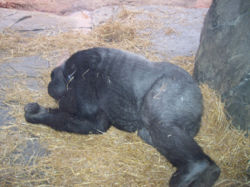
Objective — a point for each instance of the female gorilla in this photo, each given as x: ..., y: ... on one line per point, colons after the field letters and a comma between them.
x: 100, y: 87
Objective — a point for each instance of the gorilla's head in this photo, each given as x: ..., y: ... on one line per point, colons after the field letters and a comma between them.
x: 61, y: 77
x: 58, y: 84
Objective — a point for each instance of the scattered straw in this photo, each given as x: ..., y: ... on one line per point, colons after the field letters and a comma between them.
x: 224, y: 143
x: 186, y: 62
x: 115, y: 158
x: 115, y: 32
x: 119, y: 32
x: 169, y: 31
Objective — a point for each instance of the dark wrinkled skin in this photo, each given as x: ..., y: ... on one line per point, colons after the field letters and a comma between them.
x: 100, y: 87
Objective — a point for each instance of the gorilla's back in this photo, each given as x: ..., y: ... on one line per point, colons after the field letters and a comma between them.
x: 134, y: 74
x: 129, y: 78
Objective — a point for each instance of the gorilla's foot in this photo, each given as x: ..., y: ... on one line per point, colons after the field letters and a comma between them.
x: 202, y: 173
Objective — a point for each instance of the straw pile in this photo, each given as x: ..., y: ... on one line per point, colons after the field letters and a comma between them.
x: 115, y: 158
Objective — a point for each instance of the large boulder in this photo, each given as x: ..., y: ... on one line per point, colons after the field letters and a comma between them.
x: 223, y: 57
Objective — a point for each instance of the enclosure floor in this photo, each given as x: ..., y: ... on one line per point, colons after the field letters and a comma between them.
x: 33, y: 155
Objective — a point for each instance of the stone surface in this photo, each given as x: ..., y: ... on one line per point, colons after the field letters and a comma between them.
x: 223, y: 58
x: 27, y: 153
x: 28, y: 66
x: 179, y: 31
x: 24, y: 21
x: 67, y: 6
x: 178, y: 34
x: 31, y: 67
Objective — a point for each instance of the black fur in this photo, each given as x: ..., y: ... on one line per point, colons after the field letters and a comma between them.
x: 100, y: 87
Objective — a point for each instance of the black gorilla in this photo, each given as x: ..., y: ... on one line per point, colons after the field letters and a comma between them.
x: 100, y: 87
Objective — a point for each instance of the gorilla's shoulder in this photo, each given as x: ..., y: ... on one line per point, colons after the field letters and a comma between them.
x: 106, y: 53
x: 101, y: 58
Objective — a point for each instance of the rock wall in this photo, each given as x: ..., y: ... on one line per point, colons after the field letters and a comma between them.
x: 223, y: 58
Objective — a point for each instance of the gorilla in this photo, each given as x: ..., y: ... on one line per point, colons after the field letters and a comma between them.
x: 100, y: 87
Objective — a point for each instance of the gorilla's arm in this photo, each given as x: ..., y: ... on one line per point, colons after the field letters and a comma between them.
x: 62, y: 121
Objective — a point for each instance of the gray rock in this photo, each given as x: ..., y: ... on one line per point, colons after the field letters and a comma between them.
x: 30, y: 66
x: 45, y: 23
x: 27, y: 153
x: 12, y: 71
x: 223, y: 58
x: 178, y: 32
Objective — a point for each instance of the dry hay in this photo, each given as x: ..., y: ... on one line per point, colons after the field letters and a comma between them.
x: 120, y: 32
x: 115, y: 158
x: 223, y: 142
x: 186, y: 62
x: 170, y: 31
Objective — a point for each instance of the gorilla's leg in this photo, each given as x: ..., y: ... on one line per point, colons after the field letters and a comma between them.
x: 62, y: 121
x: 194, y: 168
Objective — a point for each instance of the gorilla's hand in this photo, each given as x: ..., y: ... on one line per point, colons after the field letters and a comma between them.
x: 31, y: 108
x: 34, y: 113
